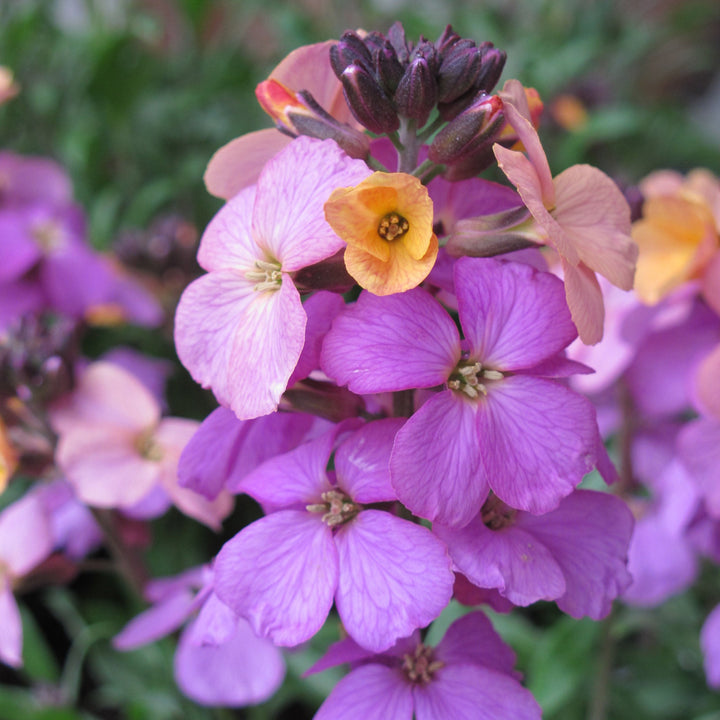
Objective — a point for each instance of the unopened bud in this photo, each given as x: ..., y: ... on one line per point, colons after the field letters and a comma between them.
x: 446, y: 41
x: 459, y: 69
x: 396, y: 35
x: 351, y: 50
x: 388, y: 69
x: 491, y: 67
x: 417, y: 92
x: 368, y: 102
x: 473, y: 129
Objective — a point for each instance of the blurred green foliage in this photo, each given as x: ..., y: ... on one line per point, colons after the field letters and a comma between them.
x: 134, y: 96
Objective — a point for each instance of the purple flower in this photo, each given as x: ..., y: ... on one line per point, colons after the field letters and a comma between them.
x: 710, y: 644
x: 321, y: 542
x: 575, y: 554
x: 240, y: 329
x: 468, y: 676
x: 499, y: 424
x: 219, y: 660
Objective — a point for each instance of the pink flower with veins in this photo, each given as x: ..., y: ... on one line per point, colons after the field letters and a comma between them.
x: 238, y: 164
x: 115, y: 449
x: 581, y: 214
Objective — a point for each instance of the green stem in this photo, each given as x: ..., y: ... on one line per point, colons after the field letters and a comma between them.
x: 436, y: 124
x: 411, y: 145
x: 601, y: 686
x: 375, y: 164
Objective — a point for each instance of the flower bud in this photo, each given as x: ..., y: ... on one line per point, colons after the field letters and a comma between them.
x: 471, y: 130
x: 417, y: 92
x: 493, y: 62
x: 459, y: 70
x: 351, y: 49
x: 396, y: 35
x: 388, y: 69
x: 367, y: 101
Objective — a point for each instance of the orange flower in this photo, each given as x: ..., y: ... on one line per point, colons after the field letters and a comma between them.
x: 386, y: 222
x: 678, y: 233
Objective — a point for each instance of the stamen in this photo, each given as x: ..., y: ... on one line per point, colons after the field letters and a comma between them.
x: 419, y: 667
x: 392, y: 226
x: 48, y: 235
x: 467, y: 378
x: 147, y: 446
x: 266, y: 276
x: 337, y: 507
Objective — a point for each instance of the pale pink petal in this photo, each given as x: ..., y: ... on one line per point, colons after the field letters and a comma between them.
x: 472, y: 640
x: 156, y: 622
x: 370, y: 692
x: 396, y: 342
x: 239, y: 163
x: 11, y: 638
x: 105, y: 468
x: 362, y: 462
x: 531, y: 141
x: 537, y: 440
x: 243, y: 670
x: 108, y: 396
x: 25, y: 536
x: 289, y: 217
x: 469, y: 692
x: 227, y: 242
x: 511, y: 560
x: 585, y: 300
x: 435, y: 464
x: 293, y: 479
x: 394, y: 577
x: 596, y: 217
x: 280, y: 573
x: 512, y: 316
x: 588, y: 535
x: 241, y: 343
x: 710, y: 644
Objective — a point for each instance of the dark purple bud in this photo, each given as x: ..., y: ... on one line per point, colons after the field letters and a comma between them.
x: 460, y: 68
x: 388, y: 69
x: 367, y: 101
x: 416, y: 94
x: 396, y: 35
x: 474, y: 128
x: 350, y: 50
x: 493, y: 62
x: 448, y: 38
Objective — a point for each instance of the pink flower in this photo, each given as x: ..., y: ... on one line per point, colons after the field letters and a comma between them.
x: 582, y: 214
x: 115, y: 449
x: 240, y: 329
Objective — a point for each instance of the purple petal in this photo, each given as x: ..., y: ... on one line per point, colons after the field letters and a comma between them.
x: 243, y: 670
x: 156, y: 622
x: 18, y: 299
x: 11, y: 638
x: 280, y: 573
x: 25, y: 535
x: 394, y: 577
x: 371, y: 692
x: 227, y: 242
x: 435, y: 463
x: 362, y: 462
x: 339, y: 653
x: 588, y: 535
x: 699, y: 445
x: 469, y: 692
x: 472, y: 640
x: 471, y: 595
x: 511, y: 560
x: 395, y: 342
x: 241, y: 343
x: 710, y: 643
x: 31, y: 179
x: 538, y: 441
x: 289, y: 218
x: 20, y: 251
x: 214, y: 624
x: 321, y: 308
x: 512, y: 316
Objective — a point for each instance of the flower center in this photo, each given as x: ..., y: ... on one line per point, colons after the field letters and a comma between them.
x: 147, y: 447
x: 392, y: 226
x: 470, y: 377
x: 337, y: 508
x: 419, y: 667
x: 48, y: 235
x: 267, y: 275
x: 495, y: 514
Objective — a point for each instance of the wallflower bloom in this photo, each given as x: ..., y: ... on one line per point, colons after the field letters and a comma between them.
x: 240, y: 329
x: 387, y: 223
x: 468, y: 676
x: 582, y: 215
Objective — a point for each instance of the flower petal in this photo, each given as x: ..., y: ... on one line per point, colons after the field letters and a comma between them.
x: 25, y: 535
x: 280, y: 573
x: 391, y: 343
x: 11, y: 638
x: 394, y: 577
x: 538, y: 440
x: 435, y: 463
x: 585, y: 300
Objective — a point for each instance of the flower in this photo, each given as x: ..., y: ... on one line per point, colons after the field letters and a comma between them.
x: 387, y: 223
x: 240, y: 329
x: 469, y: 674
x: 500, y: 423
x: 582, y: 214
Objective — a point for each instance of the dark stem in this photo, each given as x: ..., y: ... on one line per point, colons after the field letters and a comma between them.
x: 403, y: 403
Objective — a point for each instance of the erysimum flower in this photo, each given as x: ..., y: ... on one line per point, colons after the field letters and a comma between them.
x: 582, y: 214
x: 240, y: 329
x: 387, y: 223
x: 468, y: 676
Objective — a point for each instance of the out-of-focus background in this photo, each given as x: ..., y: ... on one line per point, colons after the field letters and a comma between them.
x: 134, y: 96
